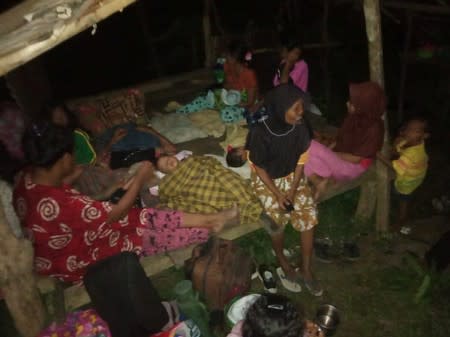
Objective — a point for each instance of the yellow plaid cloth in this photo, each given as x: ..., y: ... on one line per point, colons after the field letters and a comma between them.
x: 202, y: 184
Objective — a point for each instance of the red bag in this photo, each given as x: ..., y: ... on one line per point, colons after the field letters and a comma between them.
x: 220, y: 270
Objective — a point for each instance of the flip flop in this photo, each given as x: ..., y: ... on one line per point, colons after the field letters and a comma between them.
x: 292, y: 286
x: 267, y: 278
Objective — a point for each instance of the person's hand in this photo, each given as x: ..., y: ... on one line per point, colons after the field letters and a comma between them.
x: 282, y: 201
x: 312, y: 330
x: 144, y: 172
x: 118, y: 135
x: 291, y: 196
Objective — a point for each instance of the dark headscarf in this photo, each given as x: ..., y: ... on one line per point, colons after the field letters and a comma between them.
x: 361, y: 133
x: 274, y: 144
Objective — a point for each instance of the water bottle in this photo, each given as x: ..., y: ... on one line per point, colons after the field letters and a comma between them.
x: 191, y: 307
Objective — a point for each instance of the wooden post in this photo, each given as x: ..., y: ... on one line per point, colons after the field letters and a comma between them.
x: 406, y: 45
x: 209, y: 53
x: 374, y: 38
x: 17, y: 281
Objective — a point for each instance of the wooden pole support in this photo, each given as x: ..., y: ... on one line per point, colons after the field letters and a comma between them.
x: 374, y: 38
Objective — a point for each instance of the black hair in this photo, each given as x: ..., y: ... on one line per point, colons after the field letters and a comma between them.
x: 234, y: 158
x: 273, y: 316
x: 45, y: 143
x: 238, y: 50
x: 290, y: 43
x: 420, y: 119
x: 48, y: 109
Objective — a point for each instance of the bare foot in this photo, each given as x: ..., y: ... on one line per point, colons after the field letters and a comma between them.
x: 226, y: 218
x: 320, y: 188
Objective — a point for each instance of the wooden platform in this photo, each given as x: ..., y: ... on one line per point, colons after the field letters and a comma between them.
x: 76, y: 296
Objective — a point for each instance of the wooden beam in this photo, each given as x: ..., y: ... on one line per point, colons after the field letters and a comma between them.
x: 374, y: 37
x: 103, y: 10
x: 418, y: 7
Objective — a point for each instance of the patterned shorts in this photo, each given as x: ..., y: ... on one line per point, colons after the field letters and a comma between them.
x: 304, y: 216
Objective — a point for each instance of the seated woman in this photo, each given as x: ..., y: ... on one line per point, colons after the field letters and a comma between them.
x: 275, y: 316
x: 202, y: 184
x: 277, y: 151
x: 359, y: 139
x: 71, y: 231
x: 238, y: 76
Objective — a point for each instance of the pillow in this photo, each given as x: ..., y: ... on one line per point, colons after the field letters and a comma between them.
x: 108, y: 110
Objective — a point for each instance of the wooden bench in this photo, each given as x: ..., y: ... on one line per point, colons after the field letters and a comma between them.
x: 76, y: 296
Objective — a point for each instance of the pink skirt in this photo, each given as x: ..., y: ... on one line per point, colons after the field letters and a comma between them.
x: 327, y: 164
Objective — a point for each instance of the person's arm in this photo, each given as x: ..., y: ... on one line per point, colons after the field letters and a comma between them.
x: 119, y: 133
x: 166, y: 144
x: 349, y: 157
x: 285, y: 73
x: 121, y: 209
x: 384, y: 160
x: 298, y: 173
x: 264, y: 176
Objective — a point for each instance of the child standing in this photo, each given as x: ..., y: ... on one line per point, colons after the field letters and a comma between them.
x: 292, y: 68
x: 411, y: 165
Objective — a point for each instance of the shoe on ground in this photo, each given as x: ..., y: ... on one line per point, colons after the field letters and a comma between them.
x: 322, y: 252
x: 267, y: 278
x: 351, y: 251
x: 292, y: 286
x: 313, y: 287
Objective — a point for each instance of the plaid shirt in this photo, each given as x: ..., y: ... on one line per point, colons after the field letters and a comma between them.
x: 202, y: 184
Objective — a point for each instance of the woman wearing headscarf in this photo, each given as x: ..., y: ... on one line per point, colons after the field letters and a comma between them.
x: 277, y: 151
x: 359, y: 139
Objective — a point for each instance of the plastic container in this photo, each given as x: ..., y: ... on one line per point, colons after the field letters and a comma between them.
x: 191, y: 306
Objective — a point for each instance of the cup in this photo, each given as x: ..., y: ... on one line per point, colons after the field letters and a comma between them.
x: 327, y: 318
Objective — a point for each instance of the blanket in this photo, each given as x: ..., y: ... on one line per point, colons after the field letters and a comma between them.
x: 202, y: 184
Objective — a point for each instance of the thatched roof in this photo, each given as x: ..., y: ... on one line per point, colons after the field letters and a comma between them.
x: 35, y: 26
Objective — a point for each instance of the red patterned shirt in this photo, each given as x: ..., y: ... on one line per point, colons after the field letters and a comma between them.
x: 69, y: 230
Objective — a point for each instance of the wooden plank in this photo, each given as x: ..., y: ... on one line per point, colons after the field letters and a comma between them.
x: 418, y: 7
x: 17, y: 58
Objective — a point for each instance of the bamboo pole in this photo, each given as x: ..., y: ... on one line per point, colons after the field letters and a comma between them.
x: 103, y: 10
x: 418, y: 7
x: 374, y: 37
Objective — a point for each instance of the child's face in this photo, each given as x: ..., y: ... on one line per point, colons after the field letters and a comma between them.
x: 292, y: 55
x: 167, y: 164
x: 414, y: 132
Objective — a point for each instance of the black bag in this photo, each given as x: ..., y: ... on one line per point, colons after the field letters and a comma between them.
x: 121, y: 159
x: 124, y: 297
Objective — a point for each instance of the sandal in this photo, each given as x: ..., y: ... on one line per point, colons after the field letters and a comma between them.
x: 312, y: 285
x: 267, y: 278
x: 292, y: 286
